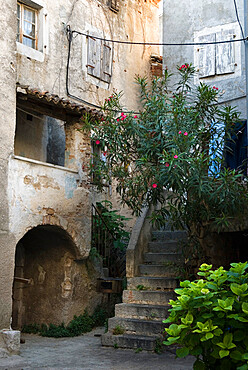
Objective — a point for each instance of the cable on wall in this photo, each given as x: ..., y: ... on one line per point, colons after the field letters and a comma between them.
x: 70, y: 34
x: 237, y: 16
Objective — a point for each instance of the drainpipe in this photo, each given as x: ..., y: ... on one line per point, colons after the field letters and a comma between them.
x: 246, y: 66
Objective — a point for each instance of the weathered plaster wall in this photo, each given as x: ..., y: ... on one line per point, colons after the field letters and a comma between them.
x: 43, y: 194
x: 33, y: 193
x: 7, y: 130
x: 60, y: 287
x: 182, y: 22
x: 137, y: 20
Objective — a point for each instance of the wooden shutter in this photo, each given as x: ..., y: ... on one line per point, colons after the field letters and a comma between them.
x: 206, y: 56
x: 106, y: 61
x: 94, y: 57
x: 225, y: 52
x: 114, y: 5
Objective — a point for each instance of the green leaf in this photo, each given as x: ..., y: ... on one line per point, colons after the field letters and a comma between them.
x: 239, y: 335
x: 188, y: 319
x: 238, y: 289
x: 182, y: 352
x: 199, y: 365
x: 228, y: 339
x: 236, y: 355
x: 243, y: 367
x: 223, y: 353
x: 245, y: 307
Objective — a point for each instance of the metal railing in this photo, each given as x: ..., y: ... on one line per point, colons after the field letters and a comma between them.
x: 103, y: 239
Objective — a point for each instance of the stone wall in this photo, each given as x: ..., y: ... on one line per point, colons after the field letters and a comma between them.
x: 7, y: 131
x: 38, y: 194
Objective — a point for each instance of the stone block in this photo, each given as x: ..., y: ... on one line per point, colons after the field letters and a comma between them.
x: 11, y: 340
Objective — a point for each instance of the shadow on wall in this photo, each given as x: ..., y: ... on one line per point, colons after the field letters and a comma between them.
x: 49, y: 285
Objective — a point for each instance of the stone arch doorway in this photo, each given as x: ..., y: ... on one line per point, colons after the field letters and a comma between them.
x: 47, y: 280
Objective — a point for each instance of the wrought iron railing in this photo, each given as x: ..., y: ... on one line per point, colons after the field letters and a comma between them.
x: 103, y: 240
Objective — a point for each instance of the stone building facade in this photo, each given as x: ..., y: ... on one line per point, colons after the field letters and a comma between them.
x: 46, y: 194
x: 219, y: 65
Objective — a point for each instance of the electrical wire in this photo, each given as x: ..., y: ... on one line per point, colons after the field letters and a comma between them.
x: 70, y: 34
x: 157, y: 43
x: 237, y: 16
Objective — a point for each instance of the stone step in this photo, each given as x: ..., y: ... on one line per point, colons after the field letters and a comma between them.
x: 152, y: 283
x: 142, y: 311
x: 161, y: 258
x: 169, y: 235
x: 166, y: 270
x: 147, y: 343
x: 170, y: 246
x: 135, y: 326
x: 154, y: 297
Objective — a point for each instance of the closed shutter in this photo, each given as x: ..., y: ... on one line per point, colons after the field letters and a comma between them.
x: 94, y: 57
x: 114, y: 5
x: 206, y: 56
x: 225, y: 53
x: 106, y: 61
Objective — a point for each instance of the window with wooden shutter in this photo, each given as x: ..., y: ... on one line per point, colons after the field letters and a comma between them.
x: 216, y: 59
x: 206, y: 56
x: 94, y: 57
x: 114, y: 5
x: 225, y: 52
x: 106, y: 61
x: 99, y: 59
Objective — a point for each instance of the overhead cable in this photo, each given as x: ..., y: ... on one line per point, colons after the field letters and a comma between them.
x: 156, y: 43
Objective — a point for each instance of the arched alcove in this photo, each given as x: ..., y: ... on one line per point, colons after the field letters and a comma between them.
x: 49, y: 286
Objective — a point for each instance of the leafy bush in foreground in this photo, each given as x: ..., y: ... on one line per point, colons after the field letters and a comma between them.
x: 209, y: 319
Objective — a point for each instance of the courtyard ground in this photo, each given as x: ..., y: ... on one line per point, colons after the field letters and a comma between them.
x: 85, y: 352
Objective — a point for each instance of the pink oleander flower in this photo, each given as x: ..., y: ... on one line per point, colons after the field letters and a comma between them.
x: 122, y: 114
x: 167, y: 164
x: 118, y: 120
x: 97, y: 142
x: 135, y: 117
x: 179, y: 132
x: 186, y: 134
x: 154, y: 186
x: 104, y: 153
x: 175, y: 156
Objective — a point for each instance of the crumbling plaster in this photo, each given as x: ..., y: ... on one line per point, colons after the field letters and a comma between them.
x: 7, y: 130
x: 34, y: 193
x: 136, y: 21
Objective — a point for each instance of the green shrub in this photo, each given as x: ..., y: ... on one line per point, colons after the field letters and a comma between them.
x: 79, y: 325
x: 209, y: 319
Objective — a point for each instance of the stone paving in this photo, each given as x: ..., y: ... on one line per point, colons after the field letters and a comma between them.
x: 85, y: 352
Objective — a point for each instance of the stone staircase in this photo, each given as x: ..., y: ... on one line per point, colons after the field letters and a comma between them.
x: 138, y: 320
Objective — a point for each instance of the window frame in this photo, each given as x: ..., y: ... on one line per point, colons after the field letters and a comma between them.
x: 20, y: 30
x: 99, y: 59
x: 229, y: 70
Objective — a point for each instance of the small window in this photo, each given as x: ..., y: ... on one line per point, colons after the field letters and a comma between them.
x: 39, y: 137
x: 114, y: 5
x: 216, y: 59
x: 27, y: 25
x: 99, y: 59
